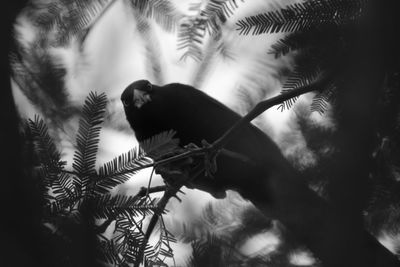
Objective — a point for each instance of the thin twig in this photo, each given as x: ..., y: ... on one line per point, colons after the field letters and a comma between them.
x: 168, y: 194
x: 265, y: 105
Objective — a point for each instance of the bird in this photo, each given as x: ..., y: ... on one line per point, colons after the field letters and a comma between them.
x: 265, y: 177
x: 197, y: 117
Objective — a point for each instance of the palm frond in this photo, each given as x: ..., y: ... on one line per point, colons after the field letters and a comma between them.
x: 87, y: 138
x: 303, y: 16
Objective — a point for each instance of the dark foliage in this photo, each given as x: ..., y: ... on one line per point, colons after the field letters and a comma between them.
x: 320, y: 37
x: 302, y: 16
x: 163, y: 12
x: 77, y: 201
x: 209, y: 20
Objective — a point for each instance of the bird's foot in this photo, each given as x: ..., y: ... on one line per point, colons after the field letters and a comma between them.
x: 210, y: 159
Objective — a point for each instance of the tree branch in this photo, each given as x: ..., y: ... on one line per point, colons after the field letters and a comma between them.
x: 265, y: 105
x: 168, y: 194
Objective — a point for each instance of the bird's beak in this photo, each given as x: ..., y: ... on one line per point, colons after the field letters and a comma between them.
x: 140, y: 98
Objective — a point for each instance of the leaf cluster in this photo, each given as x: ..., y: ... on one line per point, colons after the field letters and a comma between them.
x: 74, y: 197
x: 320, y: 37
x: 208, y: 21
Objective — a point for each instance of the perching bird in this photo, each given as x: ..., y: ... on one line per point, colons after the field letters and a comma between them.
x: 265, y: 177
x: 195, y: 116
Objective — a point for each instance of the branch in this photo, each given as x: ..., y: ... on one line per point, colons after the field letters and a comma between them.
x: 168, y: 194
x: 267, y: 104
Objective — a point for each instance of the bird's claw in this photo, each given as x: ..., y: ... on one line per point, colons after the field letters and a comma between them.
x: 210, y: 159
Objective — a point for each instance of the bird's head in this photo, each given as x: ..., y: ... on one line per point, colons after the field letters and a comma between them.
x: 137, y: 94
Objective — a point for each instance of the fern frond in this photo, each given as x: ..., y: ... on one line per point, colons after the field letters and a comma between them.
x: 40, y: 79
x: 130, y: 243
x: 63, y: 187
x: 68, y: 18
x: 118, y: 171
x: 303, y: 16
x: 190, y: 38
x: 160, y: 144
x: 115, y: 172
x: 48, y: 155
x: 109, y: 252
x: 291, y: 42
x: 63, y: 205
x: 301, y: 77
x: 209, y: 20
x: 162, y: 11
x: 317, y: 38
x: 88, y: 137
x: 217, y: 12
x: 107, y: 206
x: 321, y: 101
x: 162, y: 249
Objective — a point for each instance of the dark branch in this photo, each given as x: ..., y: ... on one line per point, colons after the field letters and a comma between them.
x: 263, y: 106
x: 168, y: 194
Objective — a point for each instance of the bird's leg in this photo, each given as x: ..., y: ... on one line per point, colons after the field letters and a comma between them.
x: 175, y: 173
x: 210, y: 156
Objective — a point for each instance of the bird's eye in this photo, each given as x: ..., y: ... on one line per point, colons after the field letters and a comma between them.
x: 125, y: 103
